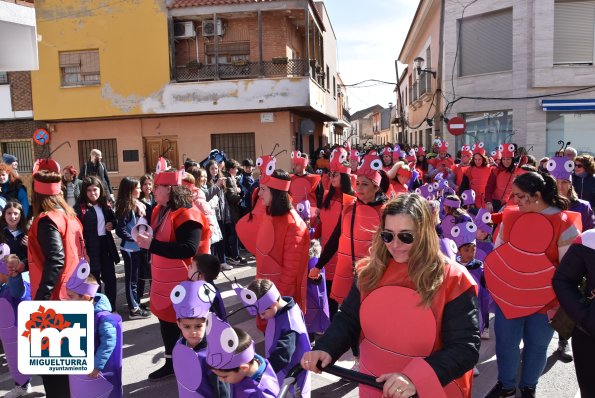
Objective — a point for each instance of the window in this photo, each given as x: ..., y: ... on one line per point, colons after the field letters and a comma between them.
x: 228, y: 52
x: 492, y: 128
x: 3, y: 78
x: 23, y: 150
x: 576, y: 127
x: 79, y: 68
x: 238, y: 146
x: 328, y: 79
x: 334, y: 87
x: 485, y: 43
x: 574, y: 25
x: 108, y: 148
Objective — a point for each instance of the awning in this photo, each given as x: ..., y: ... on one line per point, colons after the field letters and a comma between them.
x: 568, y: 105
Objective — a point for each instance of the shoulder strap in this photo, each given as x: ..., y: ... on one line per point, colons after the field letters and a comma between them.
x: 352, y: 237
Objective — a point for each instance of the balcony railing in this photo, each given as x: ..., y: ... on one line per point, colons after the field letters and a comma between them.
x: 243, y: 70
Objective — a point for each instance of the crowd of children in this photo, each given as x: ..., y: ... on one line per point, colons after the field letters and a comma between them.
x: 212, y: 358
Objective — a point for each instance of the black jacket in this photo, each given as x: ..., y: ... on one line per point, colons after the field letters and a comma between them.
x: 88, y: 218
x: 16, y: 245
x: 577, y: 263
x: 585, y: 188
x: 460, y: 335
x: 97, y: 169
x: 50, y: 241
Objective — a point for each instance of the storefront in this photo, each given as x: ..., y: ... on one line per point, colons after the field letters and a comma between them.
x: 570, y: 121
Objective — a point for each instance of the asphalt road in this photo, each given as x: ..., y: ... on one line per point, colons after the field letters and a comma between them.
x: 143, y: 353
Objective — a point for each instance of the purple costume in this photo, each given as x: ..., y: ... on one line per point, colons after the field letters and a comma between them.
x: 289, y: 319
x: 468, y: 197
x: 317, y: 317
x: 464, y: 233
x: 8, y: 319
x: 192, y: 300
x: 109, y: 382
x: 222, y: 342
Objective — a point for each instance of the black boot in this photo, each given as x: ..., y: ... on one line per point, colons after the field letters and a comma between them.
x: 165, y: 371
x: 527, y: 392
x: 500, y: 392
x: 563, y: 351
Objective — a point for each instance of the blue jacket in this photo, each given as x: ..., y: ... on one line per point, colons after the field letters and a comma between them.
x: 107, y: 333
x: 584, y: 208
x: 18, y: 192
x: 585, y: 188
x: 124, y: 226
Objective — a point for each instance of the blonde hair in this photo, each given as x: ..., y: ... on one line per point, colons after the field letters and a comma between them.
x: 426, y: 263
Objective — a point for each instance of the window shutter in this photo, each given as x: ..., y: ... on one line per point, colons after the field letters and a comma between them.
x: 574, y: 23
x: 486, y: 43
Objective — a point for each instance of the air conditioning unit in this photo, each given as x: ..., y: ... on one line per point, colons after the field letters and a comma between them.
x: 184, y: 30
x: 210, y: 28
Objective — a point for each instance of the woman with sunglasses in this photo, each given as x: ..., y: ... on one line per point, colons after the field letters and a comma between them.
x: 416, y: 312
x: 340, y: 192
x: 523, y: 306
x: 584, y: 179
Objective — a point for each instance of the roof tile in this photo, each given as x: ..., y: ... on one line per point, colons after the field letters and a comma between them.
x: 198, y: 3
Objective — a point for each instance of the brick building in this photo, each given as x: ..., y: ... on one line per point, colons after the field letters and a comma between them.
x: 139, y: 81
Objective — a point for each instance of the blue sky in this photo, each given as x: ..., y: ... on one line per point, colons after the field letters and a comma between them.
x: 370, y: 34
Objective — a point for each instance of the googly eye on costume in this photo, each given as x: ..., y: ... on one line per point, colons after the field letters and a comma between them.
x: 207, y: 293
x: 208, y: 323
x: 569, y: 166
x: 455, y: 231
x: 486, y: 218
x: 511, y: 147
x: 376, y: 164
x: 259, y: 162
x: 464, y: 196
x: 270, y: 168
x: 177, y: 294
x: 83, y: 271
x: 248, y: 296
x: 471, y: 227
x: 229, y: 340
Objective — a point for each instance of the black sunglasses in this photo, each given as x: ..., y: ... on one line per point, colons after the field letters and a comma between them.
x: 405, y: 237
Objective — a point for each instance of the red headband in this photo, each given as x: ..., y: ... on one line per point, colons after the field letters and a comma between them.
x: 47, y: 188
x: 276, y: 183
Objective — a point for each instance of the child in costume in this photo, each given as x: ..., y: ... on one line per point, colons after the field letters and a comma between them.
x: 317, y: 316
x: 483, y: 220
x: 286, y: 336
x: 13, y: 231
x: 464, y: 236
x: 206, y: 267
x: 106, y: 378
x: 14, y: 288
x: 236, y: 363
x: 191, y: 302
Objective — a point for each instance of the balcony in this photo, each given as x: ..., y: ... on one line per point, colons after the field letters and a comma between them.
x: 196, y: 72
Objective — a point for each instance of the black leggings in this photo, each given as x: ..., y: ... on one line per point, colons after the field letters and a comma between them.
x: 104, y: 270
x: 56, y: 386
x: 583, y: 349
x: 333, y: 307
x: 170, y: 333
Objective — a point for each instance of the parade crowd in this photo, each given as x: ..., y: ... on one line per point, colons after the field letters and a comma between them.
x: 401, y: 255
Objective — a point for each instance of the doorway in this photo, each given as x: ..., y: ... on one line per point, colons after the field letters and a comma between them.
x: 160, y: 146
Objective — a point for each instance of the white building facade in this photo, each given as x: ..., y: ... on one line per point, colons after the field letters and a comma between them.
x: 511, y: 58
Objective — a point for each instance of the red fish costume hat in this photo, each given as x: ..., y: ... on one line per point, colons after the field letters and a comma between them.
x: 163, y: 177
x: 466, y: 150
x: 496, y: 155
x: 338, y: 157
x: 420, y: 151
x: 369, y: 166
x: 299, y: 159
x: 478, y: 149
x: 506, y: 150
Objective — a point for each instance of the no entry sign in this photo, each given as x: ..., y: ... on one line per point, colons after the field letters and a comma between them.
x: 456, y: 125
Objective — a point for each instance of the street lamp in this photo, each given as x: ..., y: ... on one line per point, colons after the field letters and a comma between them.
x: 418, y: 62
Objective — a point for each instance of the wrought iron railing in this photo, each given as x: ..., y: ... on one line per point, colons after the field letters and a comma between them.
x: 193, y: 72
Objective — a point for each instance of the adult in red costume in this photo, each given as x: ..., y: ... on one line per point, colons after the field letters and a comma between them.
x: 54, y: 250
x: 303, y: 184
x: 177, y: 232
x: 400, y: 175
x: 413, y: 312
x: 329, y: 227
x: 281, y: 239
x: 499, y: 185
x: 359, y: 220
x: 461, y: 168
x: 441, y: 163
x: 519, y: 275
x: 476, y: 176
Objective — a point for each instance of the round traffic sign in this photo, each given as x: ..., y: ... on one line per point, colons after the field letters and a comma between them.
x: 41, y: 137
x: 456, y: 125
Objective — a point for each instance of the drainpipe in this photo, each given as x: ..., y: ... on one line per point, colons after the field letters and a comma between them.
x: 437, y: 119
x: 260, y: 66
x: 216, y: 48
x: 307, y: 27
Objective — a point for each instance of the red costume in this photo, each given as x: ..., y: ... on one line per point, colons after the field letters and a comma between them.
x: 328, y: 222
x: 519, y: 272
x: 359, y: 222
x: 388, y: 345
x: 304, y: 188
x: 71, y: 232
x: 478, y: 180
x: 168, y: 272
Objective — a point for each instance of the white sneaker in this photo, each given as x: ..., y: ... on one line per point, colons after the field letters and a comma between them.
x: 19, y: 391
x: 475, y: 371
x: 226, y: 267
x: 485, y: 335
